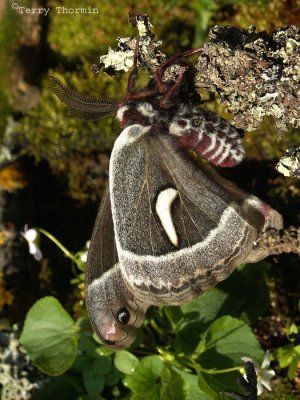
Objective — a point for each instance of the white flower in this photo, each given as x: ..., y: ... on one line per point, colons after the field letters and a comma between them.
x: 33, y: 237
x: 83, y: 256
x: 264, y: 375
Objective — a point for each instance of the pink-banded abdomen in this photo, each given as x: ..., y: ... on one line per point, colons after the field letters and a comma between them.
x: 210, y: 136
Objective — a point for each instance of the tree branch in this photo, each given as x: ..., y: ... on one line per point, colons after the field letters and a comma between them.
x: 282, y: 241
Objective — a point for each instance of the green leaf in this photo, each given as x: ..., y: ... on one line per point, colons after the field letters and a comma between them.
x: 209, y: 306
x: 175, y: 316
x: 113, y: 377
x: 125, y: 362
x: 93, y: 381
x: 248, y: 284
x: 50, y: 337
x: 87, y: 344
x: 214, y: 385
x: 243, y: 295
x: 94, y: 374
x: 102, y: 364
x: 174, y: 386
x: 285, y: 355
x: 227, y: 340
x: 293, y: 367
x: 198, y: 315
x: 194, y: 391
x: 144, y: 382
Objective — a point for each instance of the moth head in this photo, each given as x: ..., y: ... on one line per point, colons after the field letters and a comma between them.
x: 115, y: 313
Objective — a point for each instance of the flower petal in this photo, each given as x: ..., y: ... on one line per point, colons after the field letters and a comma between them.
x: 266, y: 378
x: 30, y: 235
x: 266, y: 362
x: 260, y: 388
x: 38, y: 255
x: 248, y: 359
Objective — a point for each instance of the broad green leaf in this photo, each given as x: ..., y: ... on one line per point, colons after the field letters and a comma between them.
x: 244, y: 295
x: 87, y: 344
x: 144, y: 382
x: 102, y: 364
x: 198, y: 314
x: 174, y: 387
x: 81, y: 363
x: 285, y: 355
x: 209, y: 306
x: 293, y: 328
x: 175, y: 316
x: 113, y: 377
x: 50, y: 337
x: 293, y: 367
x: 194, y: 391
x: 248, y: 284
x: 214, y: 385
x: 93, y: 381
x: 94, y: 374
x: 227, y: 340
x: 125, y: 362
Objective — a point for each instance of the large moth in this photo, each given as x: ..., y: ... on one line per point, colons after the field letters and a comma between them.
x: 167, y: 228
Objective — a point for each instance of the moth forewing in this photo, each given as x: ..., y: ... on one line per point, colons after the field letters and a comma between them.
x: 106, y: 293
x: 206, y: 234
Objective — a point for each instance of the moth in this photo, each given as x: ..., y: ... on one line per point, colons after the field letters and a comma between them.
x: 168, y: 228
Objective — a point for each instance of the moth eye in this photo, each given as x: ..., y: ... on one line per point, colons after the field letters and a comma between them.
x: 123, y: 316
x: 196, y: 122
x: 181, y: 123
x: 109, y: 342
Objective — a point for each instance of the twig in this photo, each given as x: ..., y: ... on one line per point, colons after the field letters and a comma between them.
x: 289, y: 165
x: 280, y: 241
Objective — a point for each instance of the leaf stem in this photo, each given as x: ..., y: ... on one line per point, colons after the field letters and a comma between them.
x: 190, y: 363
x: 58, y: 244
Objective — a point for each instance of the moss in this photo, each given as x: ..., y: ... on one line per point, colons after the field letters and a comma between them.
x: 11, y: 178
x: 9, y: 31
x: 6, y: 297
x: 264, y: 144
x: 170, y: 19
x: 48, y: 133
x: 264, y: 14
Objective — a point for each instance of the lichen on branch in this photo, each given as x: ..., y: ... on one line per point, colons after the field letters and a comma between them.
x: 280, y: 241
x: 149, y: 55
x: 289, y: 165
x: 255, y: 74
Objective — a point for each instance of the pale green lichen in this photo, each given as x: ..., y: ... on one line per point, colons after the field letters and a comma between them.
x: 257, y: 76
x: 18, y: 377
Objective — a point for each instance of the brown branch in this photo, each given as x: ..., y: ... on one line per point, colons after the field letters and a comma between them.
x: 289, y: 165
x: 280, y: 241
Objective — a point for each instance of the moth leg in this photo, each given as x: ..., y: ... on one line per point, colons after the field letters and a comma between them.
x: 160, y: 71
x: 131, y: 93
x: 165, y: 101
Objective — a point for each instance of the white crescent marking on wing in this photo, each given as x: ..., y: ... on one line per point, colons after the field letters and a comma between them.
x: 163, y: 210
